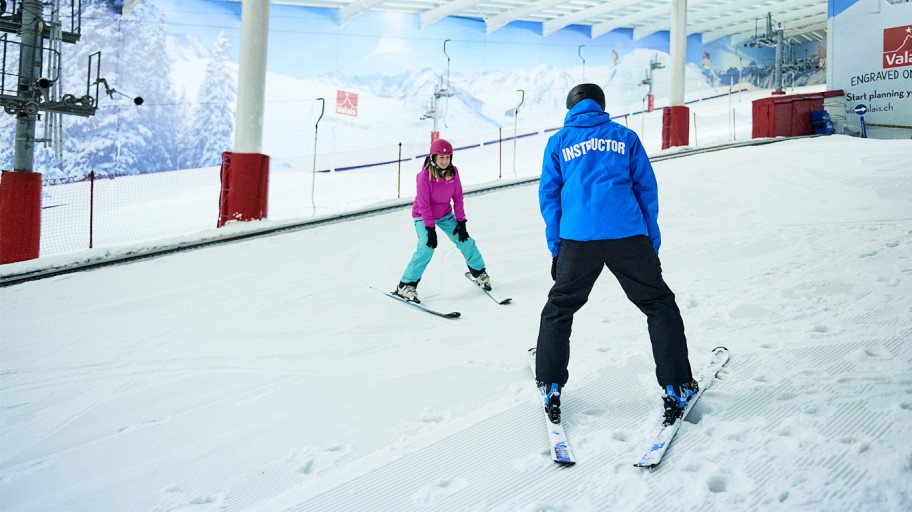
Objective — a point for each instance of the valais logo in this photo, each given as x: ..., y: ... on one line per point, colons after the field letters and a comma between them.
x: 346, y: 103
x: 897, y: 49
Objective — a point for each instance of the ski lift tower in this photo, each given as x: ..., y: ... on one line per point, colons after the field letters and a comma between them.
x: 650, y: 97
x: 774, y: 36
x: 34, y: 87
x: 434, y: 110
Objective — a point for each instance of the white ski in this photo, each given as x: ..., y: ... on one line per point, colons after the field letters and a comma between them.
x: 659, y: 443
x: 422, y: 307
x: 560, y: 448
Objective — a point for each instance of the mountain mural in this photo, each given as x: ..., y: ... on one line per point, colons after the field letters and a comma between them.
x: 187, y: 73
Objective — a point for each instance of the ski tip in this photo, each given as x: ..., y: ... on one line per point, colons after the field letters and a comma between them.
x: 505, y: 301
x: 454, y: 314
x: 721, y: 354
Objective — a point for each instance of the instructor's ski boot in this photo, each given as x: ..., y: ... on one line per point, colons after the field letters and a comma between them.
x: 408, y: 291
x: 481, y: 277
x: 551, y: 400
x: 675, y: 400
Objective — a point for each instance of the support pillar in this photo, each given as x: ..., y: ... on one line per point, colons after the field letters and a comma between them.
x: 251, y: 94
x: 777, y: 77
x: 676, y: 117
x: 245, y: 171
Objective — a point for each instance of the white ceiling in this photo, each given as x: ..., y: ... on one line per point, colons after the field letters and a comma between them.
x: 803, y: 20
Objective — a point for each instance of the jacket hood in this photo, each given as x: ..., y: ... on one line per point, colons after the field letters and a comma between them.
x: 586, y: 113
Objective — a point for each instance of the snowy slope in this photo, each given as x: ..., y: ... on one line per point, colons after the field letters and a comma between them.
x: 267, y: 375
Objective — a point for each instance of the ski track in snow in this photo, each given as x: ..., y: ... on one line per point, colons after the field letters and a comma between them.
x: 266, y: 375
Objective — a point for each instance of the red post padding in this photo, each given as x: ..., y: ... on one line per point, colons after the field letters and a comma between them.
x: 675, y: 126
x: 245, y: 187
x: 20, y: 216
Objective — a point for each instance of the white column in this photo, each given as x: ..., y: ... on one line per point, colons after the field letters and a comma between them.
x: 678, y: 49
x: 251, y: 93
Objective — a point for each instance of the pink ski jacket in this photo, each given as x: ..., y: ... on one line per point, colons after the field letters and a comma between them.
x: 432, y: 201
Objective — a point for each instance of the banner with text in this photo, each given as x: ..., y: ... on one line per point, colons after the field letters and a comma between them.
x: 870, y: 58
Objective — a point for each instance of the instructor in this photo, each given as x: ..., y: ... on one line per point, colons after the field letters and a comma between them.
x: 599, y: 200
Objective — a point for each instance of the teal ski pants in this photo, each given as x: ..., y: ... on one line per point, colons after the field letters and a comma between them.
x: 423, y: 253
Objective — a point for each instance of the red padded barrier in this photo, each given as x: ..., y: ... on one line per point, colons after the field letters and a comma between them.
x: 20, y: 216
x: 785, y: 116
x: 245, y: 187
x: 675, y: 126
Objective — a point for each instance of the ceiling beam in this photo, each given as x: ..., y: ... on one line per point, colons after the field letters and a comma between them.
x: 745, y: 31
x: 731, y: 14
x: 695, y: 18
x: 717, y: 15
x: 496, y: 22
x: 711, y: 18
x: 813, y: 26
x: 626, y: 21
x: 353, y: 9
x: 432, y: 16
x: 813, y: 32
x: 801, y: 17
x: 641, y: 32
x: 556, y: 24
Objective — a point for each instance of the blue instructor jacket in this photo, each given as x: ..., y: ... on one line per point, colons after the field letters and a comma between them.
x: 597, y: 182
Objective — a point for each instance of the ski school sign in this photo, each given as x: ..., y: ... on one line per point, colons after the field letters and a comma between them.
x: 869, y: 46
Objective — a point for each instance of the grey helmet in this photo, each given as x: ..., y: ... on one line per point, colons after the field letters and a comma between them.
x: 585, y: 91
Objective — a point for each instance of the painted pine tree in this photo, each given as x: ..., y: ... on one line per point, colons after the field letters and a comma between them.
x: 213, y: 122
x: 92, y: 143
x: 147, y: 73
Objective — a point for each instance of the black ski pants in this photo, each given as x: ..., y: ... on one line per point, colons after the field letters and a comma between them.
x: 636, y: 266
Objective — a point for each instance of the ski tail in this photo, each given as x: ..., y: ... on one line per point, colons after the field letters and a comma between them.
x: 561, y: 453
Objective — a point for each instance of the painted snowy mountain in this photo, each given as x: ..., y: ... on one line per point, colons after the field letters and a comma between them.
x: 400, y: 108
x: 395, y: 108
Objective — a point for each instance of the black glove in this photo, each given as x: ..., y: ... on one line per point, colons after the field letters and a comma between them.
x: 432, y: 237
x: 554, y: 268
x: 461, y: 231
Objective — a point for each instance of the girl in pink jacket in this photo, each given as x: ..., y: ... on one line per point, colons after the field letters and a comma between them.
x: 438, y: 202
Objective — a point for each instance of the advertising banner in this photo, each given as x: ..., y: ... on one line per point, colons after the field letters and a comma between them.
x: 870, y: 58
